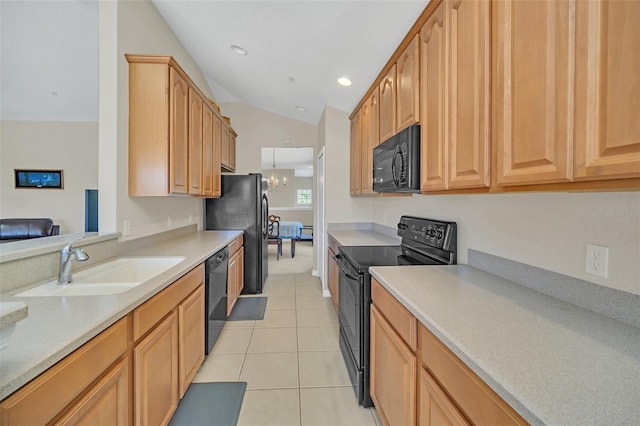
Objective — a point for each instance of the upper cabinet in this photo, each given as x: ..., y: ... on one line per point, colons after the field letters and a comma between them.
x: 408, y: 86
x: 387, y: 108
x: 174, y: 133
x: 369, y: 140
x: 607, y: 73
x: 354, y: 169
x: 533, y: 91
x: 514, y: 95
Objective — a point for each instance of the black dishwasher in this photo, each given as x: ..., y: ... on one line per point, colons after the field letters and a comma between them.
x: 215, y: 291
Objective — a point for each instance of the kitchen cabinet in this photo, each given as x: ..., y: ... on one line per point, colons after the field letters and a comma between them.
x: 173, y: 147
x: 369, y: 140
x: 416, y: 379
x: 196, y: 143
x: 333, y: 271
x: 217, y: 156
x: 433, y: 161
x: 468, y: 110
x: 455, y: 96
x: 355, y: 176
x: 228, y: 161
x: 408, y: 85
x: 393, y: 373
x: 155, y: 379
x: 533, y: 91
x: 191, y: 318
x: 50, y: 395
x: 435, y: 407
x: 387, y: 109
x: 235, y: 273
x: 607, y: 90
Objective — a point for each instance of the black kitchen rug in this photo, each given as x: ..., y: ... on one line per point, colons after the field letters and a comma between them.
x: 248, y: 309
x: 210, y: 404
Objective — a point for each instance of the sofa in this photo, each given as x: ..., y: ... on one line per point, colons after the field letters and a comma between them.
x: 17, y: 229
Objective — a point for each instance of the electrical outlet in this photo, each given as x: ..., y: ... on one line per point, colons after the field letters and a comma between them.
x: 597, y: 260
x: 169, y: 221
x: 126, y: 228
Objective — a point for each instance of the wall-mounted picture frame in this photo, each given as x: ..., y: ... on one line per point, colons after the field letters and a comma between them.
x: 39, y: 179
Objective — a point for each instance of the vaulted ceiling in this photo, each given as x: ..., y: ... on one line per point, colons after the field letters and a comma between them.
x: 296, y: 51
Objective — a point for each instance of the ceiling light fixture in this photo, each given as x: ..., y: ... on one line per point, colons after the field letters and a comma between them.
x: 301, y: 109
x: 344, y: 81
x: 239, y: 50
x: 274, y: 181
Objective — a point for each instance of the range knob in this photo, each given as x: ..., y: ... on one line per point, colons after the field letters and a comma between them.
x: 432, y: 233
x: 439, y: 234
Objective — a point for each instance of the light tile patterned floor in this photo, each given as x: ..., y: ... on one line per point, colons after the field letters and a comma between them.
x: 290, y: 360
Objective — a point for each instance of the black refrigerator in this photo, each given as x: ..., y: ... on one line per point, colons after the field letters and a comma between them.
x: 244, y: 205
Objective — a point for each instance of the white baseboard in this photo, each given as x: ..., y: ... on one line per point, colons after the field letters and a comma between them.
x: 314, y: 272
x: 326, y: 293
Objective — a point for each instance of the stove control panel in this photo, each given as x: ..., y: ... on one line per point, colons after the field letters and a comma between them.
x: 433, y: 233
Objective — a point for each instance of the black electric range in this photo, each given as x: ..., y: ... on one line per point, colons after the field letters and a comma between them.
x: 424, y: 242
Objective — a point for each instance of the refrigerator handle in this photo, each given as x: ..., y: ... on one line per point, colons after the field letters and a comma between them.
x: 265, y: 216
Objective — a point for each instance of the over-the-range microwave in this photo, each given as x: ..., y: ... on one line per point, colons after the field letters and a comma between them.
x: 396, y: 162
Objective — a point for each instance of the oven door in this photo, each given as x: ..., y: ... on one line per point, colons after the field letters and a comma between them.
x: 350, y: 287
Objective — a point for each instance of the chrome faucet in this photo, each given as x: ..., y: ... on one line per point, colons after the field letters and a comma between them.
x: 67, y: 254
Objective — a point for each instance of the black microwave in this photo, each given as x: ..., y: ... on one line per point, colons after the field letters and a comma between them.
x: 396, y: 162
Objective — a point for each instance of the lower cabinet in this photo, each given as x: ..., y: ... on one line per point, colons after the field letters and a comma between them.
x: 235, y: 273
x: 155, y: 378
x: 393, y: 373
x: 135, y: 371
x: 424, y: 382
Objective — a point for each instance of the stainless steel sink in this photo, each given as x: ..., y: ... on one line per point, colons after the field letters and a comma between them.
x: 112, y: 277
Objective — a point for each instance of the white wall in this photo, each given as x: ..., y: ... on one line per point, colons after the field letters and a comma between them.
x: 547, y: 230
x: 258, y: 128
x: 134, y: 27
x: 68, y: 146
x: 340, y: 206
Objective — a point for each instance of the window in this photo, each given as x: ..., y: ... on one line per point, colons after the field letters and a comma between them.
x: 303, y: 197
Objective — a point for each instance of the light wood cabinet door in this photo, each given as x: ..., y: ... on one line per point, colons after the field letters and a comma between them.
x: 468, y: 71
x: 232, y: 151
x: 533, y: 80
x: 217, y: 156
x: 607, y: 73
x: 388, y: 105
x: 226, y: 151
x: 370, y: 139
x: 354, y: 170
x: 240, y: 272
x: 435, y: 407
x: 232, y: 282
x: 196, y: 141
x: 393, y: 374
x: 105, y: 404
x: 191, y: 337
x: 433, y: 102
x: 408, y: 85
x: 178, y: 133
x: 155, y: 381
x: 207, y: 152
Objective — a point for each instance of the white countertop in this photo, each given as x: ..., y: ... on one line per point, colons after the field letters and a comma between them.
x: 553, y: 362
x: 56, y: 326
x: 363, y: 238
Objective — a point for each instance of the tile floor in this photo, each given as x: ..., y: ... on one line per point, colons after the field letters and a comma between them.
x: 290, y: 360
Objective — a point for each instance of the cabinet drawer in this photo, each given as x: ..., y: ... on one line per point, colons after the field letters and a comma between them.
x: 154, y: 309
x: 398, y: 316
x: 235, y: 245
x: 479, y: 402
x: 46, y: 396
x: 334, y: 245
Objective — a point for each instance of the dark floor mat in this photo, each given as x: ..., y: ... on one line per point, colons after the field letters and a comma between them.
x: 210, y: 404
x: 248, y: 309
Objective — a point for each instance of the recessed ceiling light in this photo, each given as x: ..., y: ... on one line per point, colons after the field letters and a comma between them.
x: 301, y: 109
x: 344, y: 81
x: 239, y: 50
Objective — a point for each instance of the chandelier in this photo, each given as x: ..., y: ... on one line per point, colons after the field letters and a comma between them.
x: 274, y: 181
